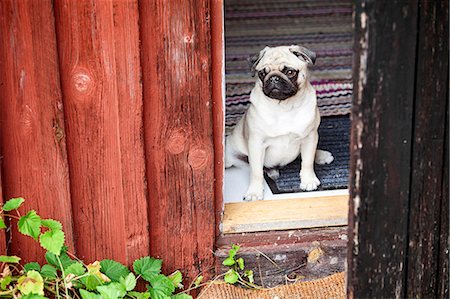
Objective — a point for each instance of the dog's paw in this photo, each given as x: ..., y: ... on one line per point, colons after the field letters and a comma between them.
x: 253, y: 194
x: 323, y: 157
x: 309, y: 181
x: 253, y: 197
x: 273, y: 173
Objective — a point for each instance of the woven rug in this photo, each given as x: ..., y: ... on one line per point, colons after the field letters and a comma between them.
x: 321, y: 25
x: 334, y: 136
x: 330, y: 287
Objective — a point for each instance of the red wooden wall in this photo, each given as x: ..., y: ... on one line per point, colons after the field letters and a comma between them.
x: 106, y: 124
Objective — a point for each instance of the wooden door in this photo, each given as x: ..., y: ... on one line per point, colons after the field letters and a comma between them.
x: 398, y: 214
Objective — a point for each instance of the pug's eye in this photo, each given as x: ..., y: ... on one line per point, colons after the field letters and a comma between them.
x: 261, y: 74
x: 291, y: 73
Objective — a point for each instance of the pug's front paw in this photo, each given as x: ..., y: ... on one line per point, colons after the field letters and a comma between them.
x: 254, y: 193
x: 309, y: 181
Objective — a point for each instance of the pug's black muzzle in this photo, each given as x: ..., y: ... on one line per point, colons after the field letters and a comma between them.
x: 278, y: 88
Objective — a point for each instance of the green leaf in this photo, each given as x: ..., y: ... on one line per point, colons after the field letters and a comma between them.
x: 51, y: 224
x: 30, y: 224
x: 5, y: 281
x: 91, y: 282
x: 2, y: 223
x: 161, y: 287
x: 52, y: 240
x: 32, y: 266
x: 113, y: 270
x: 48, y: 271
x: 9, y: 259
x: 231, y: 276
x: 13, y: 204
x: 138, y: 295
x: 147, y: 267
x: 240, y: 262
x: 198, y: 280
x: 66, y: 261
x: 32, y: 283
x: 181, y: 296
x: 89, y: 295
x: 249, y: 274
x: 229, y: 261
x: 76, y: 269
x: 113, y: 290
x: 234, y: 249
x: 129, y: 282
x: 176, y: 278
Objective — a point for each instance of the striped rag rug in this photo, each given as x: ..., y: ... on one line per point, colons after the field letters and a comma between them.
x: 321, y: 25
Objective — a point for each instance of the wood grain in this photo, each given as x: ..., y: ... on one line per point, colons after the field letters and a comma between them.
x: 99, y: 70
x: 443, y: 281
x: 382, y: 127
x: 217, y: 77
x: 284, y: 214
x: 33, y: 143
x: 398, y: 215
x: 176, y: 65
x: 131, y: 128
x: 291, y: 261
x: 283, y: 237
x: 428, y: 152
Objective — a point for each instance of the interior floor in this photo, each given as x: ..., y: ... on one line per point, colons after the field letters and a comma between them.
x: 322, y: 26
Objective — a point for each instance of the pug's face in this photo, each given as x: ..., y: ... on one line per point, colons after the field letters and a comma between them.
x: 282, y: 70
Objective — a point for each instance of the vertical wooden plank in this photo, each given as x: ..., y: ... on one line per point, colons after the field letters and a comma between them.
x: 428, y: 151
x: 99, y: 65
x: 217, y: 73
x: 129, y: 90
x: 444, y: 238
x: 176, y: 65
x: 33, y: 143
x: 384, y: 68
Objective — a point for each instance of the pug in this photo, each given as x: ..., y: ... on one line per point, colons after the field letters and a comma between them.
x: 281, y: 122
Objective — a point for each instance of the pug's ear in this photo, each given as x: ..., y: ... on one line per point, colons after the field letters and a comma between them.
x: 255, y: 59
x: 304, y: 53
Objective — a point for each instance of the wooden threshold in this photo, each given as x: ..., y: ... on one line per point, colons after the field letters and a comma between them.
x: 294, y: 213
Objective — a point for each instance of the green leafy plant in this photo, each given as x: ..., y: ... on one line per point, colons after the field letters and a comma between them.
x: 65, y: 276
x: 237, y: 272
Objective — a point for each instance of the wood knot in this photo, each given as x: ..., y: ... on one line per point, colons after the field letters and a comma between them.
x: 188, y: 39
x: 82, y: 82
x: 176, y: 142
x: 198, y: 157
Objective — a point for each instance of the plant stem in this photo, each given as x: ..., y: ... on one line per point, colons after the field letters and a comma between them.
x: 57, y: 290
x: 202, y: 284
x: 12, y: 216
x: 63, y: 276
x: 8, y: 292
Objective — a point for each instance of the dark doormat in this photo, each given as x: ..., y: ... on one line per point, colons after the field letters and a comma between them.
x: 334, y: 136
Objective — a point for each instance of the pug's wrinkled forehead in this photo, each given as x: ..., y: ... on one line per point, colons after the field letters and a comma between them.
x: 284, y: 56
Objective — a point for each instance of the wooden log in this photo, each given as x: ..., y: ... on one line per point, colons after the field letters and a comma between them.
x: 176, y: 64
x: 382, y: 127
x: 431, y: 87
x: 33, y: 144
x: 99, y: 61
x: 129, y: 91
